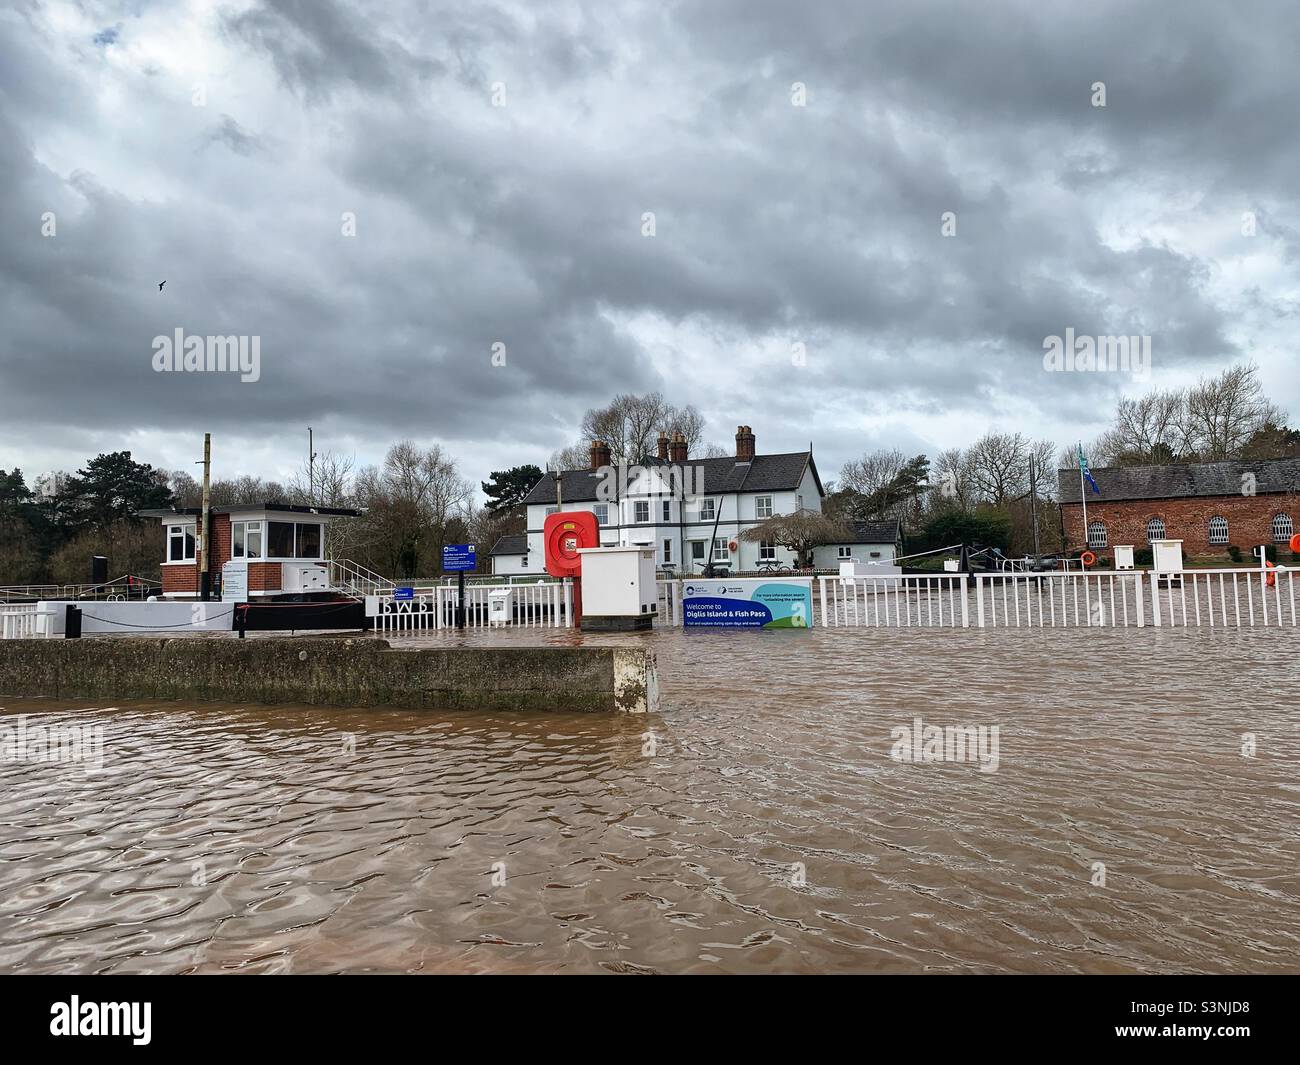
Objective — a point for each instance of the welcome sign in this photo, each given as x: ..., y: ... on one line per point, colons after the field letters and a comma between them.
x: 748, y: 604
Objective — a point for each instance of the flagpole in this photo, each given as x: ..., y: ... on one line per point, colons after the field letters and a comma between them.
x: 1083, y: 497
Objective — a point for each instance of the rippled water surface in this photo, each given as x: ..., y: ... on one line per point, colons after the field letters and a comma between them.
x: 769, y: 830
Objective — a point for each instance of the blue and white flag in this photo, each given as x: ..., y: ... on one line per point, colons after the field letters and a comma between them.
x: 1087, y: 473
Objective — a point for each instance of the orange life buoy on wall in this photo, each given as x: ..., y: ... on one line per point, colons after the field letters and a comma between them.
x: 732, y: 545
x: 563, y: 535
x: 1087, y: 558
x: 1271, y: 579
x: 1295, y: 544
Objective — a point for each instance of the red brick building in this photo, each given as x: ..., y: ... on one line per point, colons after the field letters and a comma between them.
x: 1208, y: 506
x: 276, y: 542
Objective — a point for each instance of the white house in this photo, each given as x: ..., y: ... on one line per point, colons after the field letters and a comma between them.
x: 510, y: 557
x: 872, y: 541
x: 686, y: 508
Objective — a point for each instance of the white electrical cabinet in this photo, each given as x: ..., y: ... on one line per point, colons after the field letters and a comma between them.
x: 499, y: 612
x: 618, y: 587
x: 1167, y: 557
x: 300, y: 577
x: 1123, y: 556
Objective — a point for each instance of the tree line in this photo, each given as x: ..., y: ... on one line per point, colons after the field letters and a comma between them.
x: 416, y: 500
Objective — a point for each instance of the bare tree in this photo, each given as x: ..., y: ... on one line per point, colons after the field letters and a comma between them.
x: 574, y: 457
x: 951, y: 482
x: 410, y: 503
x: 1222, y: 413
x: 874, y: 471
x: 997, y: 465
x: 800, y: 532
x: 631, y: 425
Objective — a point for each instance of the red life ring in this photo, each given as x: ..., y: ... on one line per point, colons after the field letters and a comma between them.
x: 1271, y: 579
x: 732, y: 545
x: 1295, y: 544
x: 1087, y: 558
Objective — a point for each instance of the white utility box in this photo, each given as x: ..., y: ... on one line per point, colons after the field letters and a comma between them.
x: 1167, y: 558
x: 499, y: 612
x: 951, y: 565
x: 299, y: 577
x: 1123, y: 556
x: 853, y: 569
x: 618, y: 588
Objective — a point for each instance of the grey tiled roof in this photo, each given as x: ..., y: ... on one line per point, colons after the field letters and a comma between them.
x: 1182, y: 481
x: 511, y: 545
x: 872, y: 532
x: 765, y: 473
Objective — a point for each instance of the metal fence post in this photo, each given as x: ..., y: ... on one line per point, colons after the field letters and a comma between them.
x: 979, y: 601
x: 965, y: 607
x: 1155, y: 599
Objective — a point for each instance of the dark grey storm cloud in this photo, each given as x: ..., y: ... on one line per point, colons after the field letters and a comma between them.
x: 496, y: 162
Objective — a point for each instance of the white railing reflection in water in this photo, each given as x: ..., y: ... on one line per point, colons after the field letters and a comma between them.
x: 541, y: 605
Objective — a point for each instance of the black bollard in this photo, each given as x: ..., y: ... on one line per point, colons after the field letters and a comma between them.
x: 71, y: 623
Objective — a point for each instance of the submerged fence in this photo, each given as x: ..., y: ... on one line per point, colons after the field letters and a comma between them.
x: 540, y: 605
x: 1225, y: 598
x: 1213, y: 598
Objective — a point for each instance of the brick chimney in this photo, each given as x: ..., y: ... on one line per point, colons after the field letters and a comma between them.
x: 677, y: 448
x: 599, y: 454
x: 663, y: 447
x: 744, y: 443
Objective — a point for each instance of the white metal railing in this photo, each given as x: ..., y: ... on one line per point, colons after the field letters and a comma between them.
x: 355, y: 580
x: 539, y: 605
x: 938, y: 600
x: 670, y: 601
x: 25, y: 622
x: 1060, y: 600
x: 1227, y: 598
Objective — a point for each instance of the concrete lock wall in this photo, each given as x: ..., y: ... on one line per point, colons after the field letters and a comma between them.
x: 333, y: 672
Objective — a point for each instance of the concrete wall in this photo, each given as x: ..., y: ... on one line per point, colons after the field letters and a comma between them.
x: 332, y: 672
x: 127, y: 619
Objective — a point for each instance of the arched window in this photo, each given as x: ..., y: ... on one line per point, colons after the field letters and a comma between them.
x: 1096, y: 534
x: 1155, y: 530
x: 1218, y: 530
x: 1282, y: 528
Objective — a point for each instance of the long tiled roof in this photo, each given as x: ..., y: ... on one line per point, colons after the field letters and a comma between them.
x: 764, y: 473
x: 1185, y: 481
x: 511, y: 545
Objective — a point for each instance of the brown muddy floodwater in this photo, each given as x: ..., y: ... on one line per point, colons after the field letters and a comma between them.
x: 769, y: 830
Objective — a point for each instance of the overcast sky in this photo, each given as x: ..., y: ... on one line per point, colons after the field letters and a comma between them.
x: 499, y: 160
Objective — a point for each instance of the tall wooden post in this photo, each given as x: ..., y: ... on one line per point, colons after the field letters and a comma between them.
x: 205, y: 571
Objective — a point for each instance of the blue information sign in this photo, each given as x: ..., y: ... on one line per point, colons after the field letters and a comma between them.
x: 458, y: 557
x: 748, y: 603
x: 404, y: 593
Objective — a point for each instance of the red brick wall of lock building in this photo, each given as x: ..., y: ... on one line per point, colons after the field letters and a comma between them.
x: 1250, y: 521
